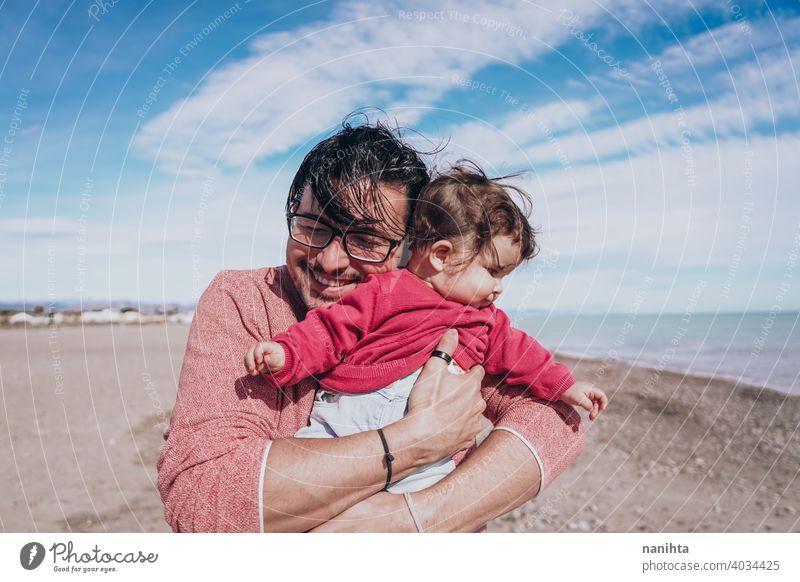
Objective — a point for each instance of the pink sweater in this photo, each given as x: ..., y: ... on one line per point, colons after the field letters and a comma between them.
x: 389, y: 325
x: 224, y: 420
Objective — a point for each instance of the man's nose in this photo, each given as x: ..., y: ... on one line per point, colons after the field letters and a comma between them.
x: 333, y: 258
x: 498, y: 289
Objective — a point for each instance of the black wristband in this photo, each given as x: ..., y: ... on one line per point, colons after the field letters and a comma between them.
x: 387, y: 456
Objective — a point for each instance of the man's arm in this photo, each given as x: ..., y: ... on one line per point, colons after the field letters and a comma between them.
x: 452, y: 504
x: 533, y: 442
x: 498, y: 477
x: 309, y: 481
x: 208, y: 470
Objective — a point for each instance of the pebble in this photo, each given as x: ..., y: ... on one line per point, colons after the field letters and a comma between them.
x: 786, y: 510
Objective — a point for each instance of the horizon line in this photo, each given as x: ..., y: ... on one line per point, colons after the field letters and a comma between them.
x: 128, y: 303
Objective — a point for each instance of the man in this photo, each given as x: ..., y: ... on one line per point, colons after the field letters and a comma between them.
x: 231, y: 462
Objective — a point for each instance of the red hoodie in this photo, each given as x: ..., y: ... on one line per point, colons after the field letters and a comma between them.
x: 388, y: 326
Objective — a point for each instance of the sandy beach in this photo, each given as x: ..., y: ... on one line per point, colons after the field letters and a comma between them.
x: 84, y: 409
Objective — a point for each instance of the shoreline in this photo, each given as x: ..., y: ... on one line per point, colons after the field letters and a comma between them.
x: 572, y: 357
x: 738, y: 382
x: 689, y: 454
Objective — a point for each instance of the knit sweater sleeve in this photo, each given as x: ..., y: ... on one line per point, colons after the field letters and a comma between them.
x: 319, y: 342
x: 522, y: 361
x: 209, y: 468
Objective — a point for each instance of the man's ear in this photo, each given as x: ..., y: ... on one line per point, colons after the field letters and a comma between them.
x: 440, y: 254
x: 405, y: 254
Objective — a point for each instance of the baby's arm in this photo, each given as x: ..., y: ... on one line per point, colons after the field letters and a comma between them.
x: 522, y: 361
x: 264, y: 357
x: 319, y: 342
x: 586, y: 395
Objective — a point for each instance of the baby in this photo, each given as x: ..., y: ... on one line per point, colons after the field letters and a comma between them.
x: 367, y: 349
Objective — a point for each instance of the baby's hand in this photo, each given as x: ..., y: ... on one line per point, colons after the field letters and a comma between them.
x: 586, y: 395
x: 264, y: 357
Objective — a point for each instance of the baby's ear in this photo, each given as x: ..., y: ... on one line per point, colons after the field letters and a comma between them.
x: 440, y: 254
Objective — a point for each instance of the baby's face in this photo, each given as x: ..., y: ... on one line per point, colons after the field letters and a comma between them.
x: 480, y: 283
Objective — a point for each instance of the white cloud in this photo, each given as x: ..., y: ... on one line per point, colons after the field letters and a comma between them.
x: 708, y: 63
x: 635, y: 15
x: 506, y: 139
x: 730, y: 43
x: 759, y: 93
x: 297, y: 84
x: 618, y: 222
x: 36, y: 227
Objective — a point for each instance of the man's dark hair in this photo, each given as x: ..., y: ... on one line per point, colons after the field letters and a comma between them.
x: 345, y: 170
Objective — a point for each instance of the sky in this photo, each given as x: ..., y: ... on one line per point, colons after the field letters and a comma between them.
x: 147, y: 146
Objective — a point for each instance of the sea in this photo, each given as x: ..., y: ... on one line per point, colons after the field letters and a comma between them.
x: 754, y: 348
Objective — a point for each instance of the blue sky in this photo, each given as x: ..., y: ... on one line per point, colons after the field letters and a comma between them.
x: 148, y: 146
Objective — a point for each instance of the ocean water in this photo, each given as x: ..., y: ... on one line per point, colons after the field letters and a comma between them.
x: 758, y: 348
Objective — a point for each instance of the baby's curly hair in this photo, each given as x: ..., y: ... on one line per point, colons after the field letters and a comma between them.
x: 466, y: 207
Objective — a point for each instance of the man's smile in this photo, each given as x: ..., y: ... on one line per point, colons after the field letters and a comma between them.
x: 329, y: 287
x: 332, y: 282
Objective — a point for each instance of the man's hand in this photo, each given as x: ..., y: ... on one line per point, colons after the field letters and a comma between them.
x: 588, y: 396
x: 264, y: 357
x: 445, y: 409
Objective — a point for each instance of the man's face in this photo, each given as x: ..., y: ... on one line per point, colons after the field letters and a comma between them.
x: 323, y: 276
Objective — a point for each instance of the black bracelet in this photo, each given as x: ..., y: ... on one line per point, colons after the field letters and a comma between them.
x: 387, y: 456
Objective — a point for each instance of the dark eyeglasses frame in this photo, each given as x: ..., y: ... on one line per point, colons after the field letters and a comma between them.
x: 393, y: 244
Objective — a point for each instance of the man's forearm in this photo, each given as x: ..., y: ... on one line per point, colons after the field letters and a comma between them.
x: 499, y: 476
x: 308, y: 481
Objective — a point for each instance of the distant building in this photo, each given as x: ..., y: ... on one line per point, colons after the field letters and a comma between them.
x: 132, y: 317
x: 126, y: 315
x: 102, y: 316
x: 20, y: 317
x: 67, y: 317
x: 23, y: 318
x: 181, y: 317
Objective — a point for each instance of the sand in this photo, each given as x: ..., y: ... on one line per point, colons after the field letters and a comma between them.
x: 84, y: 408
x: 83, y: 454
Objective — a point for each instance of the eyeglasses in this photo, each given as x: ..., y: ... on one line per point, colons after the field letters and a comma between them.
x: 311, y: 231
